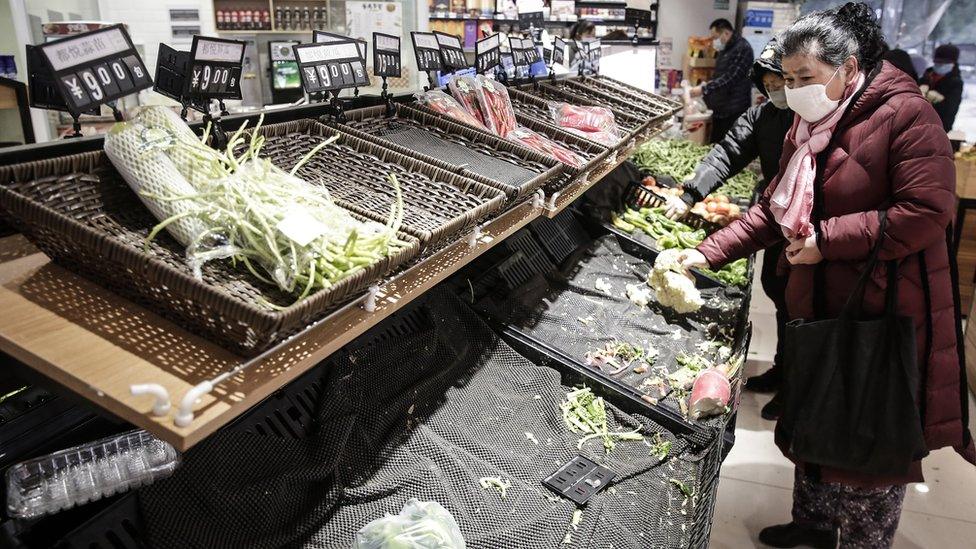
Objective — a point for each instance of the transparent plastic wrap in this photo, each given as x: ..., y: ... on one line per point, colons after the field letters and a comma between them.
x: 419, y: 525
x: 87, y: 473
x: 537, y: 142
x: 464, y: 89
x: 604, y: 138
x: 590, y: 120
x: 233, y: 203
x: 496, y: 106
x: 444, y: 104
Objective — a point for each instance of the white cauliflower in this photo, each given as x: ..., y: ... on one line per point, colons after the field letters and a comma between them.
x: 639, y: 295
x: 673, y: 288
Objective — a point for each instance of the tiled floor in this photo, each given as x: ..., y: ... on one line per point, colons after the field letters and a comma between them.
x: 756, y: 484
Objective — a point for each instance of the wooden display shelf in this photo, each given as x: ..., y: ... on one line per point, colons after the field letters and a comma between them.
x: 97, y: 344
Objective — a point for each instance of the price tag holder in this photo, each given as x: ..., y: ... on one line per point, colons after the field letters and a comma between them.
x: 171, y: 72
x: 452, y: 51
x: 559, y: 51
x: 331, y: 66
x: 213, y: 70
x: 386, y: 55
x: 595, y: 53
x: 638, y: 13
x: 487, y: 53
x: 531, y: 52
x: 518, y: 53
x: 92, y: 69
x: 323, y: 37
x: 427, y: 50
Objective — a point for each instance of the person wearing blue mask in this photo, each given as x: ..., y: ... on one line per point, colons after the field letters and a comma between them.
x: 729, y: 93
x: 942, y: 84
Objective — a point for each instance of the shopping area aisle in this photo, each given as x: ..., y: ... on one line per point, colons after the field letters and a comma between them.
x: 757, y: 481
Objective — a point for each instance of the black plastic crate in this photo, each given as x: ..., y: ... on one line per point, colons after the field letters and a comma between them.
x: 561, y: 235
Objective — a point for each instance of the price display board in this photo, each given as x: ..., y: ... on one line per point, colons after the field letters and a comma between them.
x: 331, y: 66
x: 94, y: 68
x: 452, y: 52
x: 559, y: 51
x: 531, y: 51
x: 638, y: 13
x: 487, y: 53
x: 386, y: 55
x: 594, y: 53
x: 214, y: 70
x: 519, y: 58
x: 171, y: 72
x: 323, y: 37
x: 42, y: 88
x: 427, y: 50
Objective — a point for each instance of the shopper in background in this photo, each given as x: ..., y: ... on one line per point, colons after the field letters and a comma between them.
x: 865, y: 142
x: 729, y: 93
x: 942, y: 84
x: 759, y: 133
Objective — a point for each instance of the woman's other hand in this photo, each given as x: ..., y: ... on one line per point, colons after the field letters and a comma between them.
x: 675, y: 207
x: 804, y: 251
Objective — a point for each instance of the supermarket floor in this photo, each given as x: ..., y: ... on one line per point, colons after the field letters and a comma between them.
x: 756, y: 480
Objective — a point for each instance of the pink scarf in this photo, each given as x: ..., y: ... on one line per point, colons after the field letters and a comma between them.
x: 792, y: 201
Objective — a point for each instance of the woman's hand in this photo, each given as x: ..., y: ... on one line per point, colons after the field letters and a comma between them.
x: 693, y: 259
x: 675, y: 207
x: 804, y: 251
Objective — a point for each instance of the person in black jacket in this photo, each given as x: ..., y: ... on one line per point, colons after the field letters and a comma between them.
x: 759, y: 132
x: 729, y: 93
x: 944, y: 84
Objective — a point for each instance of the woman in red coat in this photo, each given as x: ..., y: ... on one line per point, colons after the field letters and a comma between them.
x: 864, y: 140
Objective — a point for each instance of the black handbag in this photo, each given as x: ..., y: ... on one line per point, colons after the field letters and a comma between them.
x: 851, y: 386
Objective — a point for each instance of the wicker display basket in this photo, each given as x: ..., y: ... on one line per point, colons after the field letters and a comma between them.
x: 438, y: 204
x: 634, y: 124
x: 81, y: 213
x: 592, y: 153
x: 456, y: 147
x: 658, y: 103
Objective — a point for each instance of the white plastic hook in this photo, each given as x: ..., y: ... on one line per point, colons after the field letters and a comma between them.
x: 538, y: 199
x: 474, y: 237
x: 369, y: 305
x: 162, y: 404
x: 184, y: 416
x: 552, y: 201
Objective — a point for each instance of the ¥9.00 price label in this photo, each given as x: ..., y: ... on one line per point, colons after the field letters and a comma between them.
x: 214, y: 69
x: 559, y: 51
x: 331, y: 66
x: 452, y: 51
x: 93, y: 68
x: 487, y: 53
x: 427, y: 50
x: 386, y: 55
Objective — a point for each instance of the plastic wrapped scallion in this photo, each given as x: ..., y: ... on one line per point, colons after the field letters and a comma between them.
x: 284, y: 230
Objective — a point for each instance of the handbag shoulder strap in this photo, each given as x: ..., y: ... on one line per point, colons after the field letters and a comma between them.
x: 856, y: 299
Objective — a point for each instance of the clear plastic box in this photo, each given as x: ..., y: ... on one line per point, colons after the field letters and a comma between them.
x: 86, y: 473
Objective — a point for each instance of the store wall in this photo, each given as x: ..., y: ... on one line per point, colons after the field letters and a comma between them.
x: 680, y: 19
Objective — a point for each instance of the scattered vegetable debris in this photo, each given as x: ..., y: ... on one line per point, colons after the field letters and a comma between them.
x: 586, y: 413
x: 497, y: 483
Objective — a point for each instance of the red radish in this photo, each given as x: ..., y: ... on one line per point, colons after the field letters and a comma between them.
x: 711, y: 392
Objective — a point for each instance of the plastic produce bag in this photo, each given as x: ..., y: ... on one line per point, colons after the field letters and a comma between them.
x: 603, y: 138
x: 420, y: 525
x: 444, y: 104
x: 464, y: 89
x: 590, y: 120
x: 528, y: 138
x: 496, y: 106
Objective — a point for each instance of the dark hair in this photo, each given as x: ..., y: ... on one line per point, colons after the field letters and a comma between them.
x: 580, y: 28
x: 901, y: 60
x: 721, y: 25
x: 836, y: 34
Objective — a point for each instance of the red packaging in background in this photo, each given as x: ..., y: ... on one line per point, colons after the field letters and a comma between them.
x: 444, y: 104
x: 496, y: 106
x: 465, y: 90
x: 540, y: 143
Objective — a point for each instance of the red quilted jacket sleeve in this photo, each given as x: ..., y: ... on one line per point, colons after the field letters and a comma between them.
x: 923, y: 182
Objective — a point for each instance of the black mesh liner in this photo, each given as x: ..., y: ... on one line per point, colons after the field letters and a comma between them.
x: 566, y: 311
x: 425, y: 408
x: 478, y: 161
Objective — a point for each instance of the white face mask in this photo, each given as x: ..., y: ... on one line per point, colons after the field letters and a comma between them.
x: 718, y: 44
x: 778, y: 99
x: 811, y: 102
